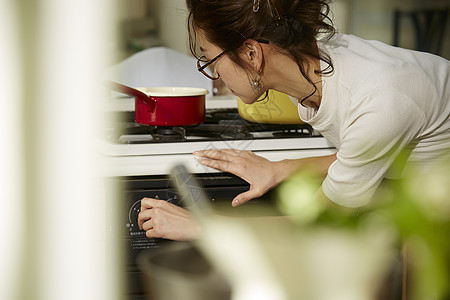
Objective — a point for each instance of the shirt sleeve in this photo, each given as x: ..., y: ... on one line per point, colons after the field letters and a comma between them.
x: 376, y: 130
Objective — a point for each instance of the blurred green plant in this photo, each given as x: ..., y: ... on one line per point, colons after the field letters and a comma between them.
x: 415, y: 209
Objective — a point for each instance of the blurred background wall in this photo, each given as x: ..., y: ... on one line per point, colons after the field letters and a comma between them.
x: 163, y: 22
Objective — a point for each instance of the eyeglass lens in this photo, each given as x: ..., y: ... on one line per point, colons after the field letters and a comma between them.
x: 209, y: 70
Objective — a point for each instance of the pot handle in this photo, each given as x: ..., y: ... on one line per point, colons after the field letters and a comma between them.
x: 118, y: 87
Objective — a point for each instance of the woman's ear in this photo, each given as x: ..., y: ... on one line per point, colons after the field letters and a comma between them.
x: 253, y: 54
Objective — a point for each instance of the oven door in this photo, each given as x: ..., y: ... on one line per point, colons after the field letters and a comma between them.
x: 220, y: 187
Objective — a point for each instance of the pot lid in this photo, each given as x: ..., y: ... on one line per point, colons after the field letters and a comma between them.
x: 173, y: 91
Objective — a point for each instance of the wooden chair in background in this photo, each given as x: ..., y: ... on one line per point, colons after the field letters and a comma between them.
x: 428, y: 27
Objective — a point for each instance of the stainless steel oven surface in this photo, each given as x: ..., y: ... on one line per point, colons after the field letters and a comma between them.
x: 138, y: 158
x: 131, y: 149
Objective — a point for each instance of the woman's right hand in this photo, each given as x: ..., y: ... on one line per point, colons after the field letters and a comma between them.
x: 260, y: 173
x: 161, y: 219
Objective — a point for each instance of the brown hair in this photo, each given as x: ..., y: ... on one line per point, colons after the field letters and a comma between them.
x: 293, y: 26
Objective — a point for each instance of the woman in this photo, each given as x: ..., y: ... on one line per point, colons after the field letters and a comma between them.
x: 372, y: 101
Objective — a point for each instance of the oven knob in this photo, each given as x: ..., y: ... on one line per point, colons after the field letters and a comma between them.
x: 173, y: 199
x: 133, y: 213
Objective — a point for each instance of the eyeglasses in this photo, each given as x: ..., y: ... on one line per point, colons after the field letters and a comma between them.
x: 203, y: 64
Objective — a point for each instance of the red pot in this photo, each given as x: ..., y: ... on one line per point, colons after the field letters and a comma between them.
x: 165, y: 106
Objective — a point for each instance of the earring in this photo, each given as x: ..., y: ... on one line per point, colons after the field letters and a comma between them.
x: 256, y: 83
x: 255, y: 5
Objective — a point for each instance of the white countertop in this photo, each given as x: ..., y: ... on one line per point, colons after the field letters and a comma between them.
x: 121, y: 150
x: 162, y: 164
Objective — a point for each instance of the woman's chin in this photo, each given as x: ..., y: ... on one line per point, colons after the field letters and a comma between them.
x: 245, y: 99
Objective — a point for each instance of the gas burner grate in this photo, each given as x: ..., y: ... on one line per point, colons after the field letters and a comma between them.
x: 305, y: 130
x: 220, y: 124
x: 134, y: 133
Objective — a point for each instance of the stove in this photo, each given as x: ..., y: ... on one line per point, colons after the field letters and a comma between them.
x: 131, y: 149
x: 138, y: 158
x: 219, y: 125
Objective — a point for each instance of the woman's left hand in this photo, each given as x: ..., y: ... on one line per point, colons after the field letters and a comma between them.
x: 259, y: 172
x: 161, y: 219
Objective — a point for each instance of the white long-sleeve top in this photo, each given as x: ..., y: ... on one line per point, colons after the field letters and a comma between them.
x: 380, y: 101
